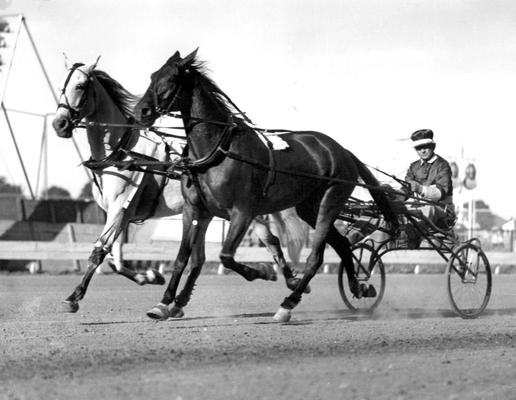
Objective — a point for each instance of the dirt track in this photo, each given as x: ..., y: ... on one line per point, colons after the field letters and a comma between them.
x: 227, y: 347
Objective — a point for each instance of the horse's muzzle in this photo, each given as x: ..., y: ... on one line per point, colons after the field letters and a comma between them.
x: 63, y: 127
x: 145, y: 115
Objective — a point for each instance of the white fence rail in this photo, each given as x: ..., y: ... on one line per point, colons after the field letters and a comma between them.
x: 166, y: 251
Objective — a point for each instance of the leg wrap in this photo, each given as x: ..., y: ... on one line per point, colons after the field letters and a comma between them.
x: 97, y: 255
x: 291, y: 301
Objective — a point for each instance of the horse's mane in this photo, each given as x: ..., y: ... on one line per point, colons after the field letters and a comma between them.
x: 123, y: 99
x: 221, y: 99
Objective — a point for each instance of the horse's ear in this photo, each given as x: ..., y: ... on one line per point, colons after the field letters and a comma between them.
x: 176, y: 56
x: 95, y: 63
x: 189, y: 58
x: 66, y: 61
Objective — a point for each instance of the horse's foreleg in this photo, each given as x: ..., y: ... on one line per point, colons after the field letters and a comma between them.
x: 197, y: 260
x: 273, y: 244
x: 151, y: 276
x: 238, y: 227
x: 115, y: 223
x: 190, y: 234
x: 71, y: 303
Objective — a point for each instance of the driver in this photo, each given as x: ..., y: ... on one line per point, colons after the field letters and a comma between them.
x: 430, y: 178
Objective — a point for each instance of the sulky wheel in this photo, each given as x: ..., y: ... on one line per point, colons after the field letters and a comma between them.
x: 469, y: 280
x: 369, y: 271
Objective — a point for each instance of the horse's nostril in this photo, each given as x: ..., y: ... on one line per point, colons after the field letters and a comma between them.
x: 60, y: 124
x: 146, y: 112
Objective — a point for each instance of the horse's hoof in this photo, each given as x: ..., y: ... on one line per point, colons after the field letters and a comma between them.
x: 269, y: 272
x: 357, y: 290
x: 293, y: 282
x: 159, y: 312
x: 370, y: 292
x: 363, y: 290
x: 282, y: 315
x: 176, y: 312
x: 154, y: 277
x: 69, y: 306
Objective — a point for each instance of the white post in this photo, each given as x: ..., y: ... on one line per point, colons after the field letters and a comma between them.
x: 71, y: 236
x: 471, y: 218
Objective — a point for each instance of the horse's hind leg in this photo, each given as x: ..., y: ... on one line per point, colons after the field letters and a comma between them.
x: 151, y: 276
x: 342, y: 247
x: 323, y: 219
x: 273, y: 244
x: 240, y: 222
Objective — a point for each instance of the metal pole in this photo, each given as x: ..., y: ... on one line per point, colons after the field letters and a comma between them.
x: 41, y: 155
x: 88, y: 174
x: 45, y: 159
x: 13, y: 110
x: 18, y: 151
x: 40, y: 61
x: 11, y: 57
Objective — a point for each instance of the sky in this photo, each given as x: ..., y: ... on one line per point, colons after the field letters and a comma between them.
x: 366, y: 72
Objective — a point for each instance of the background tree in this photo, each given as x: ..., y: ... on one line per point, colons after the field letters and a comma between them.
x: 86, y: 193
x: 56, y: 192
x: 6, y: 187
x: 484, y: 217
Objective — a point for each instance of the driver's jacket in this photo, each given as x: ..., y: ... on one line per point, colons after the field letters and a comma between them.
x: 435, y: 172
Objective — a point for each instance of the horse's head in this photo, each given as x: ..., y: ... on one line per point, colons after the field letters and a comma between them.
x: 74, y: 103
x: 164, y: 92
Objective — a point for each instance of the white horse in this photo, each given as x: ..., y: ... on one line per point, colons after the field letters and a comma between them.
x: 126, y: 195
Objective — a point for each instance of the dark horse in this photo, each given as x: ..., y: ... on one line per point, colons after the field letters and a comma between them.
x: 232, y: 174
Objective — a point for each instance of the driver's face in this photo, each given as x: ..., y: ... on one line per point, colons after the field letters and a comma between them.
x: 425, y: 152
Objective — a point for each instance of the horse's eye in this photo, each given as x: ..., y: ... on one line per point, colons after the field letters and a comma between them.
x: 80, y: 86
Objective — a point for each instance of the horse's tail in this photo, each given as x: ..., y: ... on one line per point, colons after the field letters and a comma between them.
x: 295, y: 230
x: 378, y: 195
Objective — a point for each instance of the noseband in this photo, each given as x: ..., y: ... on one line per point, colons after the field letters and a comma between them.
x: 165, y: 110
x: 74, y: 112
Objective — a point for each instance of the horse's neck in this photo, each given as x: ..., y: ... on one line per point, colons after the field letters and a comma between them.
x: 202, y: 137
x: 104, y: 140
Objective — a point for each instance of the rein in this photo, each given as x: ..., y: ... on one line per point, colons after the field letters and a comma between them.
x: 213, y: 158
x: 394, y: 177
x: 308, y: 175
x: 84, y: 125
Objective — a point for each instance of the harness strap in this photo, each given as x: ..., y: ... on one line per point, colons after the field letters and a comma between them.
x: 271, y: 175
x: 307, y: 175
x: 111, y: 158
x: 214, y: 157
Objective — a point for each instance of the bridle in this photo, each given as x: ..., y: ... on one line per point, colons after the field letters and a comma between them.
x: 162, y: 111
x: 74, y: 112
